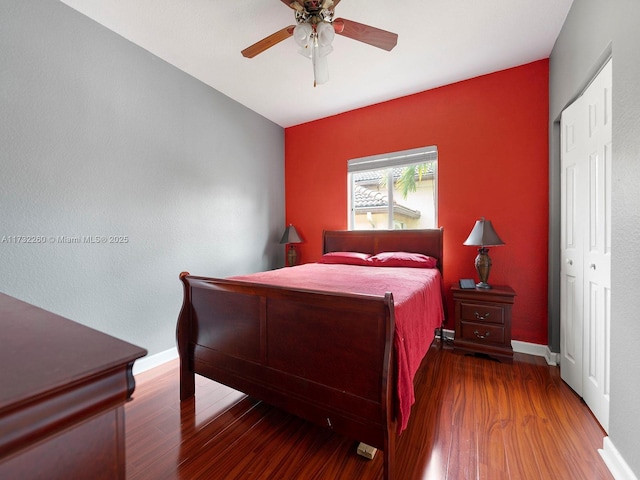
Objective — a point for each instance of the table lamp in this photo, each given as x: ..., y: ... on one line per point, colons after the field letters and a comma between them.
x: 290, y: 237
x: 483, y: 235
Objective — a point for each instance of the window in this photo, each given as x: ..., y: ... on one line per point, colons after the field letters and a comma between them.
x: 394, y: 191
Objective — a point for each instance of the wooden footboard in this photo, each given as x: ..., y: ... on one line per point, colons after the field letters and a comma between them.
x: 326, y: 357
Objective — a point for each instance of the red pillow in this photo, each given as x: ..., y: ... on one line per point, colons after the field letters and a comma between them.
x: 403, y: 259
x: 347, y: 258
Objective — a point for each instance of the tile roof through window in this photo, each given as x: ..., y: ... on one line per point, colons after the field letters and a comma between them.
x: 368, y: 200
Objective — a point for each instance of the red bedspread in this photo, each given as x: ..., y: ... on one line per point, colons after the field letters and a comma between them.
x: 417, y: 303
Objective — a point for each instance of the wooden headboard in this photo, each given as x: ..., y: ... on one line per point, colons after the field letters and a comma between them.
x: 427, y: 241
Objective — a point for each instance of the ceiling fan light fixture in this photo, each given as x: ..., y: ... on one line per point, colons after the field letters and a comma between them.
x: 326, y: 34
x: 320, y: 67
x: 323, y: 51
x: 315, y: 44
x: 302, y: 34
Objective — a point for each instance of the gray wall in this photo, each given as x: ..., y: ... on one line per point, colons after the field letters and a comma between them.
x: 592, y: 31
x: 98, y: 138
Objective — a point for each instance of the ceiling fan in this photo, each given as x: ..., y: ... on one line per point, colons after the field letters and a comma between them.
x: 315, y: 31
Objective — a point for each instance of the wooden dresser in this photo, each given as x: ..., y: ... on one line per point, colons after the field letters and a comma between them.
x: 62, y: 392
x: 483, y: 321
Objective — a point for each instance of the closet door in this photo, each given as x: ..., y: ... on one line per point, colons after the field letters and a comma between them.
x: 573, y: 219
x: 586, y: 244
x: 597, y: 249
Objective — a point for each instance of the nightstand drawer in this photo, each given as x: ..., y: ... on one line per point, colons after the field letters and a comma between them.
x: 475, y: 312
x: 483, y: 321
x: 482, y: 333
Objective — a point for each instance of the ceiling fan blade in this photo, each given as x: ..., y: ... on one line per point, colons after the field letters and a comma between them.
x: 365, y: 33
x: 294, y: 4
x: 268, y: 42
x: 330, y: 4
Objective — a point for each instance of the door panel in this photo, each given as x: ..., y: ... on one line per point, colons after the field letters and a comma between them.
x: 597, y: 257
x: 573, y: 173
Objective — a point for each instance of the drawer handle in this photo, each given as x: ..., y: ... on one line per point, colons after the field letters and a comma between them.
x: 481, y: 317
x: 477, y: 334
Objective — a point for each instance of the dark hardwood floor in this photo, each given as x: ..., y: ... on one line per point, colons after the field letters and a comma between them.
x: 473, y: 419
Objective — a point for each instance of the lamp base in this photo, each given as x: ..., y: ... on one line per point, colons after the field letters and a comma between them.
x: 483, y: 267
x: 292, y: 256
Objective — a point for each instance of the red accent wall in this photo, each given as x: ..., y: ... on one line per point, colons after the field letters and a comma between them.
x: 492, y: 139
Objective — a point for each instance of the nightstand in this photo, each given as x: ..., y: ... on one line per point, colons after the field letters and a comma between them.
x: 483, y: 321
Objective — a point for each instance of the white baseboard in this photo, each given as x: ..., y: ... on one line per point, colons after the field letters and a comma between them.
x: 528, y: 348
x: 614, y: 461
x: 553, y: 358
x: 535, y: 349
x: 147, y: 363
x: 518, y: 346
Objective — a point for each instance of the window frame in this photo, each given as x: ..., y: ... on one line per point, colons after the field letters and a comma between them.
x: 387, y: 161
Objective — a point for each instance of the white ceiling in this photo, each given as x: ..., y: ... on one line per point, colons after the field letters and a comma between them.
x: 440, y: 42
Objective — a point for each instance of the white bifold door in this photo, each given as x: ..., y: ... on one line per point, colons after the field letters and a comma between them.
x: 585, y: 270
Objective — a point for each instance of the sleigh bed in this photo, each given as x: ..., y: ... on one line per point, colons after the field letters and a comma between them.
x: 324, y: 341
